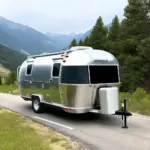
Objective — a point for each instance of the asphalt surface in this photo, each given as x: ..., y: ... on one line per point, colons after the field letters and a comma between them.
x: 94, y: 130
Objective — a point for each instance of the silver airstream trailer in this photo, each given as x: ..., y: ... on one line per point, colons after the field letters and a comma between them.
x: 78, y: 80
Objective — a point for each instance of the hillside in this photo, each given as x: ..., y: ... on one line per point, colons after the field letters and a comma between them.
x: 10, y: 59
x: 64, y: 40
x: 4, y: 71
x: 19, y: 37
x: 28, y: 40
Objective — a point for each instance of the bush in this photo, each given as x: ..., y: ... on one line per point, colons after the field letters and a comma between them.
x: 139, y: 103
x: 11, y: 78
x: 0, y: 81
x: 12, y: 89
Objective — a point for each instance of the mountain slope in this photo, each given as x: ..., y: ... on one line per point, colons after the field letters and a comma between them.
x: 11, y: 59
x: 79, y: 37
x: 64, y: 40
x: 18, y: 37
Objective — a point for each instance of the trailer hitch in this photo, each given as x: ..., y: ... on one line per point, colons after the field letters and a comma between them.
x: 124, y: 113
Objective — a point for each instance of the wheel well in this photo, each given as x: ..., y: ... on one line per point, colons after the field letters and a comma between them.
x: 37, y: 96
x: 34, y: 96
x: 40, y: 109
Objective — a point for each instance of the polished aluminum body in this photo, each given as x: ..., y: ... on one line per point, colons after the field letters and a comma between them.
x: 63, y: 88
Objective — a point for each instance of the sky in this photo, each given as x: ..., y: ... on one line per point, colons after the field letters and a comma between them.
x: 61, y: 16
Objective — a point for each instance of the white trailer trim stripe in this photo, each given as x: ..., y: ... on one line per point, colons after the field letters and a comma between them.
x: 58, y: 124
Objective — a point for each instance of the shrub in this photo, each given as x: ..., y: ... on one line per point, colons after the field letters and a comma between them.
x: 139, y: 103
x: 11, y: 78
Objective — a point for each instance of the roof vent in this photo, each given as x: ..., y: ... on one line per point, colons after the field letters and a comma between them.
x: 74, y: 48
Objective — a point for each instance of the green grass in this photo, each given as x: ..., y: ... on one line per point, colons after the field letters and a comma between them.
x: 19, y: 133
x: 139, y: 103
x: 12, y: 89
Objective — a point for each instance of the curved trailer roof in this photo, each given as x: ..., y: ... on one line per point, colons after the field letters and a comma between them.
x: 78, y: 55
x: 90, y: 56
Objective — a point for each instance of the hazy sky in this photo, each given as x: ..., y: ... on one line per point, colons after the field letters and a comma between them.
x: 61, y: 16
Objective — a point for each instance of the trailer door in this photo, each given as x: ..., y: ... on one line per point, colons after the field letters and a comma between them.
x: 54, y: 83
x: 27, y: 86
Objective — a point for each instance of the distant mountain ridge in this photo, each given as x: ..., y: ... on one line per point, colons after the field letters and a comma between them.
x: 65, y: 39
x: 17, y: 36
x: 30, y: 41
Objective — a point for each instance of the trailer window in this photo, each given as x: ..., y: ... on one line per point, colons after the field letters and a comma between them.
x: 74, y: 75
x: 29, y: 69
x: 103, y: 74
x: 56, y: 69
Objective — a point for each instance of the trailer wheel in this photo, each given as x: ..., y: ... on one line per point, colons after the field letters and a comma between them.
x: 37, y: 106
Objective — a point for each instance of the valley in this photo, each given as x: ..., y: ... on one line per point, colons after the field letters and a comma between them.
x: 28, y: 40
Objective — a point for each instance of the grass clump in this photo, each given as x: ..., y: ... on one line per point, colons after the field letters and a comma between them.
x: 17, y: 132
x: 139, y: 103
x: 12, y: 89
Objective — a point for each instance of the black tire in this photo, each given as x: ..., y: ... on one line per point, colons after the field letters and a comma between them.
x: 37, y: 106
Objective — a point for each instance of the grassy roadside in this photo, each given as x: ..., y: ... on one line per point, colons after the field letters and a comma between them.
x: 12, y: 89
x: 139, y: 103
x: 17, y: 132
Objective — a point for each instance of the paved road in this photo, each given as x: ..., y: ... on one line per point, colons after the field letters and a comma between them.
x: 103, y: 132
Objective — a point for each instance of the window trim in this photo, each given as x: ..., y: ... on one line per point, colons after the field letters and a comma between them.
x: 53, y: 69
x: 31, y: 70
x: 18, y: 69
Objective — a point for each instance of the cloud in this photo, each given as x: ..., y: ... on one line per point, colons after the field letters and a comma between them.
x: 61, y: 15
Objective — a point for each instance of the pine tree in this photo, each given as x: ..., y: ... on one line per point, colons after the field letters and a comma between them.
x: 114, y: 30
x: 113, y: 44
x: 148, y: 21
x: 73, y: 43
x: 135, y: 22
x: 144, y: 52
x: 81, y: 43
x: 134, y: 28
x: 98, y: 35
x: 86, y: 41
x: 144, y: 45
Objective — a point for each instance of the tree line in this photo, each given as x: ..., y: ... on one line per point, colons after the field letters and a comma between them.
x: 128, y: 40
